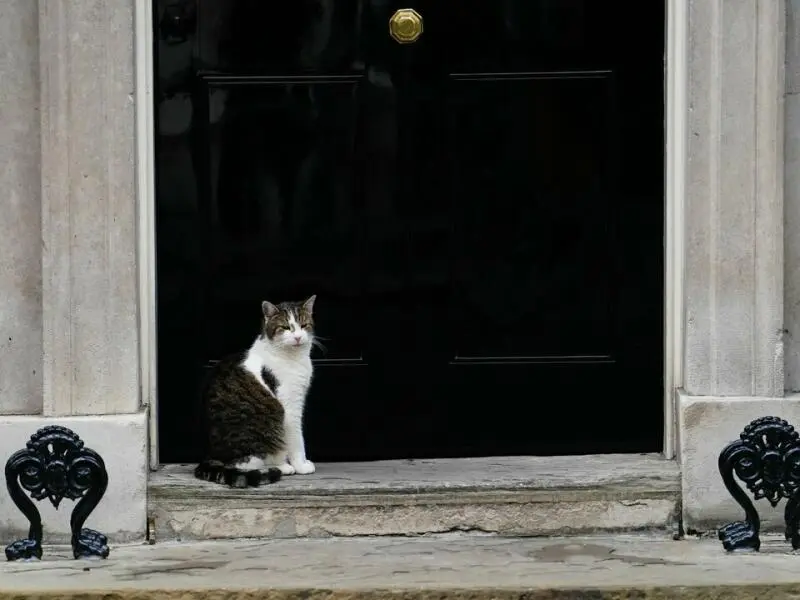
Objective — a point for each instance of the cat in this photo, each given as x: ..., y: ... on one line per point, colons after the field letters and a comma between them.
x: 253, y: 402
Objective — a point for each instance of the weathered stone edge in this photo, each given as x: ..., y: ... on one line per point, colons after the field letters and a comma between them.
x: 728, y: 592
x: 171, y: 498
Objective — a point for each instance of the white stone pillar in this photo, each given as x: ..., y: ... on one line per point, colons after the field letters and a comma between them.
x: 89, y: 276
x: 734, y: 255
x: 72, y: 97
x: 68, y: 249
x: 20, y: 224
x: 792, y: 202
x: 734, y: 199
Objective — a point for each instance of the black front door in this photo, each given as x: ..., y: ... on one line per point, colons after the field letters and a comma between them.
x: 479, y: 211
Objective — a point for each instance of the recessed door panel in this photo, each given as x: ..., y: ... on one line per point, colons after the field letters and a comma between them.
x: 281, y: 204
x: 532, y: 198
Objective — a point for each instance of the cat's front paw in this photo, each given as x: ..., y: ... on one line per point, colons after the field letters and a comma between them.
x: 286, y: 469
x: 305, y: 467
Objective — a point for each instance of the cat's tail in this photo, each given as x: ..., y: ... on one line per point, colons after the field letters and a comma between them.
x: 217, y: 472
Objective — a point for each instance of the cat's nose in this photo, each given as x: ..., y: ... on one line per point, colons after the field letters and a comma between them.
x: 298, y: 337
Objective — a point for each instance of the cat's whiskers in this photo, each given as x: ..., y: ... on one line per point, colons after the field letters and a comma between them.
x: 316, y: 343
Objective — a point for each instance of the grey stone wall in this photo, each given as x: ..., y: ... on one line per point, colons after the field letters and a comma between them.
x: 69, y: 325
x: 89, y: 266
x: 734, y: 289
x: 792, y: 198
x: 20, y: 238
x: 737, y: 198
x: 69, y: 225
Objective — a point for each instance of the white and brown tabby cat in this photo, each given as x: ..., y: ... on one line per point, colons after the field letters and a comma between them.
x: 253, y: 402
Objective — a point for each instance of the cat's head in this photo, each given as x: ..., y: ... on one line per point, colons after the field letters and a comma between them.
x: 289, y: 324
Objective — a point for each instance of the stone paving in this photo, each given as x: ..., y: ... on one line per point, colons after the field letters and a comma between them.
x: 444, y: 565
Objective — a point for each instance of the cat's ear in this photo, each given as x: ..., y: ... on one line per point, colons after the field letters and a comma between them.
x: 308, y: 305
x: 269, y: 309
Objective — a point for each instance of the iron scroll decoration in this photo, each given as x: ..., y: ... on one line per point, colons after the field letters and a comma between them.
x: 56, y: 465
x: 766, y: 458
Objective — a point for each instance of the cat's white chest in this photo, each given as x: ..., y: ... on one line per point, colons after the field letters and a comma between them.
x: 292, y: 370
x: 294, y: 377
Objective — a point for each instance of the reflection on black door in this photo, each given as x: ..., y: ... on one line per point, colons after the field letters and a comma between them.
x: 480, y: 214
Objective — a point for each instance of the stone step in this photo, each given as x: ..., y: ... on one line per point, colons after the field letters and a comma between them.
x: 450, y: 566
x: 512, y: 496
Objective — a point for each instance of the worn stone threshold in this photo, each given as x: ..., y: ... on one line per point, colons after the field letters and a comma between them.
x: 504, y: 495
x: 431, y: 567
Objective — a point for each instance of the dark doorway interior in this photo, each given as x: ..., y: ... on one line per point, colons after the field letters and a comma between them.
x: 479, y: 212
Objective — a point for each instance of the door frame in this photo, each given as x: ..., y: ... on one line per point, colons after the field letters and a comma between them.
x: 144, y: 83
x: 675, y: 97
x: 676, y: 156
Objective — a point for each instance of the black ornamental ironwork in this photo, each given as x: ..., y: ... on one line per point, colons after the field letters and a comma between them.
x: 56, y: 465
x: 766, y: 458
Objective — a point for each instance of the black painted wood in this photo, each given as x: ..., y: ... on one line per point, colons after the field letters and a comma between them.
x: 479, y: 212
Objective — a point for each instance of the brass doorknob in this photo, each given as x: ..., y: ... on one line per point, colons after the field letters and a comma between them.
x: 405, y: 26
